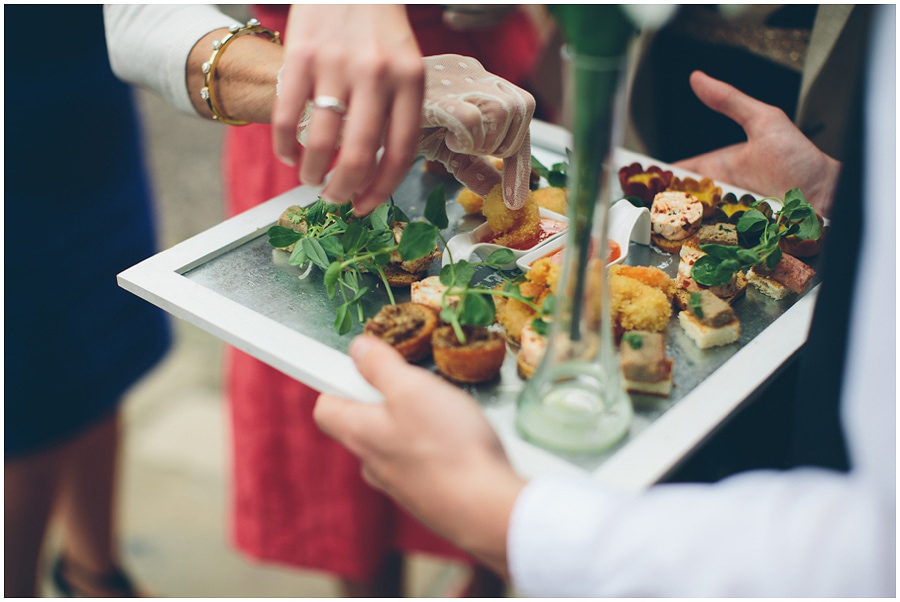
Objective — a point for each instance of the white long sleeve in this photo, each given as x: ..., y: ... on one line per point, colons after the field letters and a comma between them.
x: 805, y: 532
x: 149, y: 44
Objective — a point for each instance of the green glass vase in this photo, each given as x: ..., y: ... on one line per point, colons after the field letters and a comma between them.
x: 575, y: 402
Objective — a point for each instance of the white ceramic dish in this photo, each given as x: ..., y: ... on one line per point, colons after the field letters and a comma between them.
x: 626, y: 223
x: 462, y: 246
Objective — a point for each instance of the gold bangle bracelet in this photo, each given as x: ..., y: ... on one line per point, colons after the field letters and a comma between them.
x: 208, y: 92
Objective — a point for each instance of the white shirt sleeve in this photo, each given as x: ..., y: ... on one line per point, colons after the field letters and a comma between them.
x: 149, y: 44
x: 805, y: 532
x: 799, y: 533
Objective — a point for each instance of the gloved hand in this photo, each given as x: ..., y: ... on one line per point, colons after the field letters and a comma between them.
x: 469, y: 112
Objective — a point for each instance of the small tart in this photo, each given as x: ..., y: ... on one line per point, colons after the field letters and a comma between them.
x: 407, y: 327
x: 477, y: 360
x: 704, y: 191
x: 645, y: 184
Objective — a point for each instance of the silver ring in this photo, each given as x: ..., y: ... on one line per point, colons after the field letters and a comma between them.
x: 330, y: 102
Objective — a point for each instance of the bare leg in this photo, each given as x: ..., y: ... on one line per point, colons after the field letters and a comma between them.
x: 30, y: 487
x: 86, y: 498
x: 87, y: 510
x: 386, y: 584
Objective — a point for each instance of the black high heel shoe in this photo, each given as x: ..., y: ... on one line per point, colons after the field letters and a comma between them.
x: 115, y: 583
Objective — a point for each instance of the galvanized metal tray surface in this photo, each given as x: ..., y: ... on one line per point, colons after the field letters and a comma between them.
x: 230, y: 282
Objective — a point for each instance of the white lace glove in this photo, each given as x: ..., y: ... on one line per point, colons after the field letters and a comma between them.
x: 468, y: 113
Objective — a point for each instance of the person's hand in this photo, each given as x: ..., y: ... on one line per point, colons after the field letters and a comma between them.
x: 364, y: 58
x: 776, y: 156
x: 469, y: 112
x: 428, y: 446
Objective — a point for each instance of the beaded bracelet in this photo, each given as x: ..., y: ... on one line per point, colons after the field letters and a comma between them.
x: 208, y: 93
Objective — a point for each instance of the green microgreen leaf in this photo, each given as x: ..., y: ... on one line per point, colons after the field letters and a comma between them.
x: 549, y: 305
x: 343, y: 321
x: 558, y: 176
x: 379, y: 219
x: 809, y: 228
x: 436, y: 208
x: 633, y: 339
x: 448, y: 314
x: 397, y: 215
x: 773, y: 258
x: 796, y: 217
x: 708, y: 271
x: 752, y: 220
x: 280, y: 236
x: 539, y: 168
x: 500, y: 258
x: 359, y: 295
x: 316, y: 213
x: 331, y: 277
x: 476, y: 310
x: 379, y: 240
x: 447, y: 274
x: 695, y: 302
x: 298, y: 256
x: 354, y: 238
x: 540, y: 326
x: 460, y: 275
x: 418, y: 240
x: 332, y: 246
x: 315, y: 252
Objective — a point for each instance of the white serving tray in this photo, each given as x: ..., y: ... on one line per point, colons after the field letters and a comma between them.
x: 229, y: 283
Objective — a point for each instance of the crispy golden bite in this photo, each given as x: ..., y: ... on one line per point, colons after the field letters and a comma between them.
x: 640, y: 303
x: 649, y: 275
x: 516, y: 228
x: 552, y: 198
x: 638, y: 306
x: 471, y: 202
x: 514, y: 315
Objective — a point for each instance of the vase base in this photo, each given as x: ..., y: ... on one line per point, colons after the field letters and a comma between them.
x: 575, y: 415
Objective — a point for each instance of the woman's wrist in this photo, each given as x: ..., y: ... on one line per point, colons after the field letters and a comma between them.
x: 245, y: 76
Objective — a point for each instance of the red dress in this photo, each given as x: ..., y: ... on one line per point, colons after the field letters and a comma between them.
x: 298, y: 497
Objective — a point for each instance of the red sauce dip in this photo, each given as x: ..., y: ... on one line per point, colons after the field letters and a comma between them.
x: 612, y: 247
x: 546, y: 228
x: 613, y: 251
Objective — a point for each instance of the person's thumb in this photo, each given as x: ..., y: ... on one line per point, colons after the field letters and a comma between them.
x: 727, y: 100
x: 379, y: 363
